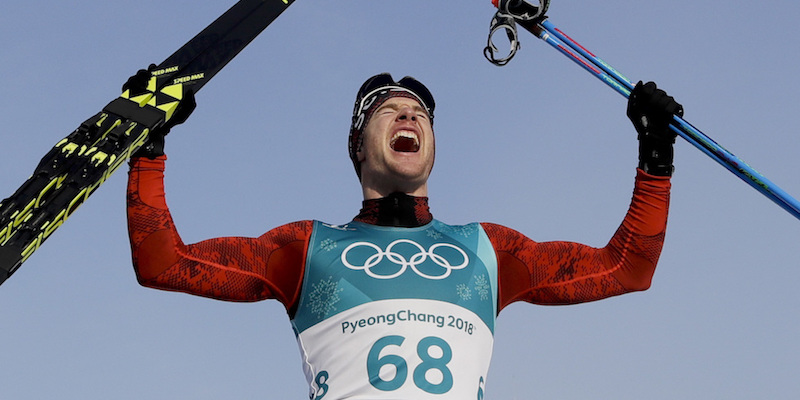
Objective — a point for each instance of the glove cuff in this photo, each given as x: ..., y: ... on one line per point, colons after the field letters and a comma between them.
x: 655, y: 155
x: 153, y: 147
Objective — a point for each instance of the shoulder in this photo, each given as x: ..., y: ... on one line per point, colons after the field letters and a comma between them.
x: 496, y: 231
x: 298, y: 230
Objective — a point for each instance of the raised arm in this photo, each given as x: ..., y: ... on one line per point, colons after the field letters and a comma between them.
x: 233, y: 268
x: 568, y: 273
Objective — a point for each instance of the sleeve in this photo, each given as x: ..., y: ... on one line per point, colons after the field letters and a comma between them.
x: 555, y: 273
x: 232, y: 268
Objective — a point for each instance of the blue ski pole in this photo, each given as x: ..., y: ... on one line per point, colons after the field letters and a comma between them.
x: 545, y: 30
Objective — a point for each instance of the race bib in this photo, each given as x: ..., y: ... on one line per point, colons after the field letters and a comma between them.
x: 391, y: 313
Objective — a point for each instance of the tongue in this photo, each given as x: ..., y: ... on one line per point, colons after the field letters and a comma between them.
x: 405, y: 144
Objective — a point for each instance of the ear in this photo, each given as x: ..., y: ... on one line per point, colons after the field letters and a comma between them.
x: 361, y: 155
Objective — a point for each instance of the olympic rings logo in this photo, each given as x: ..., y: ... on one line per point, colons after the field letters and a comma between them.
x: 398, y: 259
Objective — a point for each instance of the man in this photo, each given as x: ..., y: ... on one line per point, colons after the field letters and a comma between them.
x: 396, y: 304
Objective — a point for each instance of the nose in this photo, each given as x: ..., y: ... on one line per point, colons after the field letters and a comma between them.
x: 406, y: 113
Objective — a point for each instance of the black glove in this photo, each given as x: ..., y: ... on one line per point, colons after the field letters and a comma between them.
x: 154, y: 146
x: 137, y: 83
x: 651, y: 110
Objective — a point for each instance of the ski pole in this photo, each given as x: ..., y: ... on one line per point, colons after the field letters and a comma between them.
x: 622, y: 85
x: 567, y: 46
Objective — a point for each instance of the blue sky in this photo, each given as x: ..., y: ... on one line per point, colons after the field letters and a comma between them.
x: 538, y: 145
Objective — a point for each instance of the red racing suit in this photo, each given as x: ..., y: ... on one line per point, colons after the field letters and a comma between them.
x: 272, y: 266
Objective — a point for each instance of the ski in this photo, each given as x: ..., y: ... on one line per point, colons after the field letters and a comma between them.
x: 82, y: 161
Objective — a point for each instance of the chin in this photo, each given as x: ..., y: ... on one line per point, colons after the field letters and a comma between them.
x: 412, y: 174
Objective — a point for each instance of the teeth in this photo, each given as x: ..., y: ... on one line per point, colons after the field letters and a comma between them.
x: 405, y: 141
x: 406, y: 135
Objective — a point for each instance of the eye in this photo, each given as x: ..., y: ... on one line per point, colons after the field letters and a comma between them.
x: 385, y: 110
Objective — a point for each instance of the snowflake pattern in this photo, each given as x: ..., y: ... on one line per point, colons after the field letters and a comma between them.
x: 324, y: 296
x: 464, y: 291
x: 328, y: 244
x: 433, y: 234
x: 462, y: 230
x: 482, y: 287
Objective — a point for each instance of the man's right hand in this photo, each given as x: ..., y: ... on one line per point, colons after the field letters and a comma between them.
x: 154, y: 146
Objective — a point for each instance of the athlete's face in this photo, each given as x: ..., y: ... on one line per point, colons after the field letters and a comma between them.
x: 398, y: 149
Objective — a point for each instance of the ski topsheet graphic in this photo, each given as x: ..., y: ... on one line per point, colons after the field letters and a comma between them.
x: 78, y: 164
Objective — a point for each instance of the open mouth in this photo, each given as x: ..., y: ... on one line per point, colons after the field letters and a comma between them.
x: 405, y: 141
